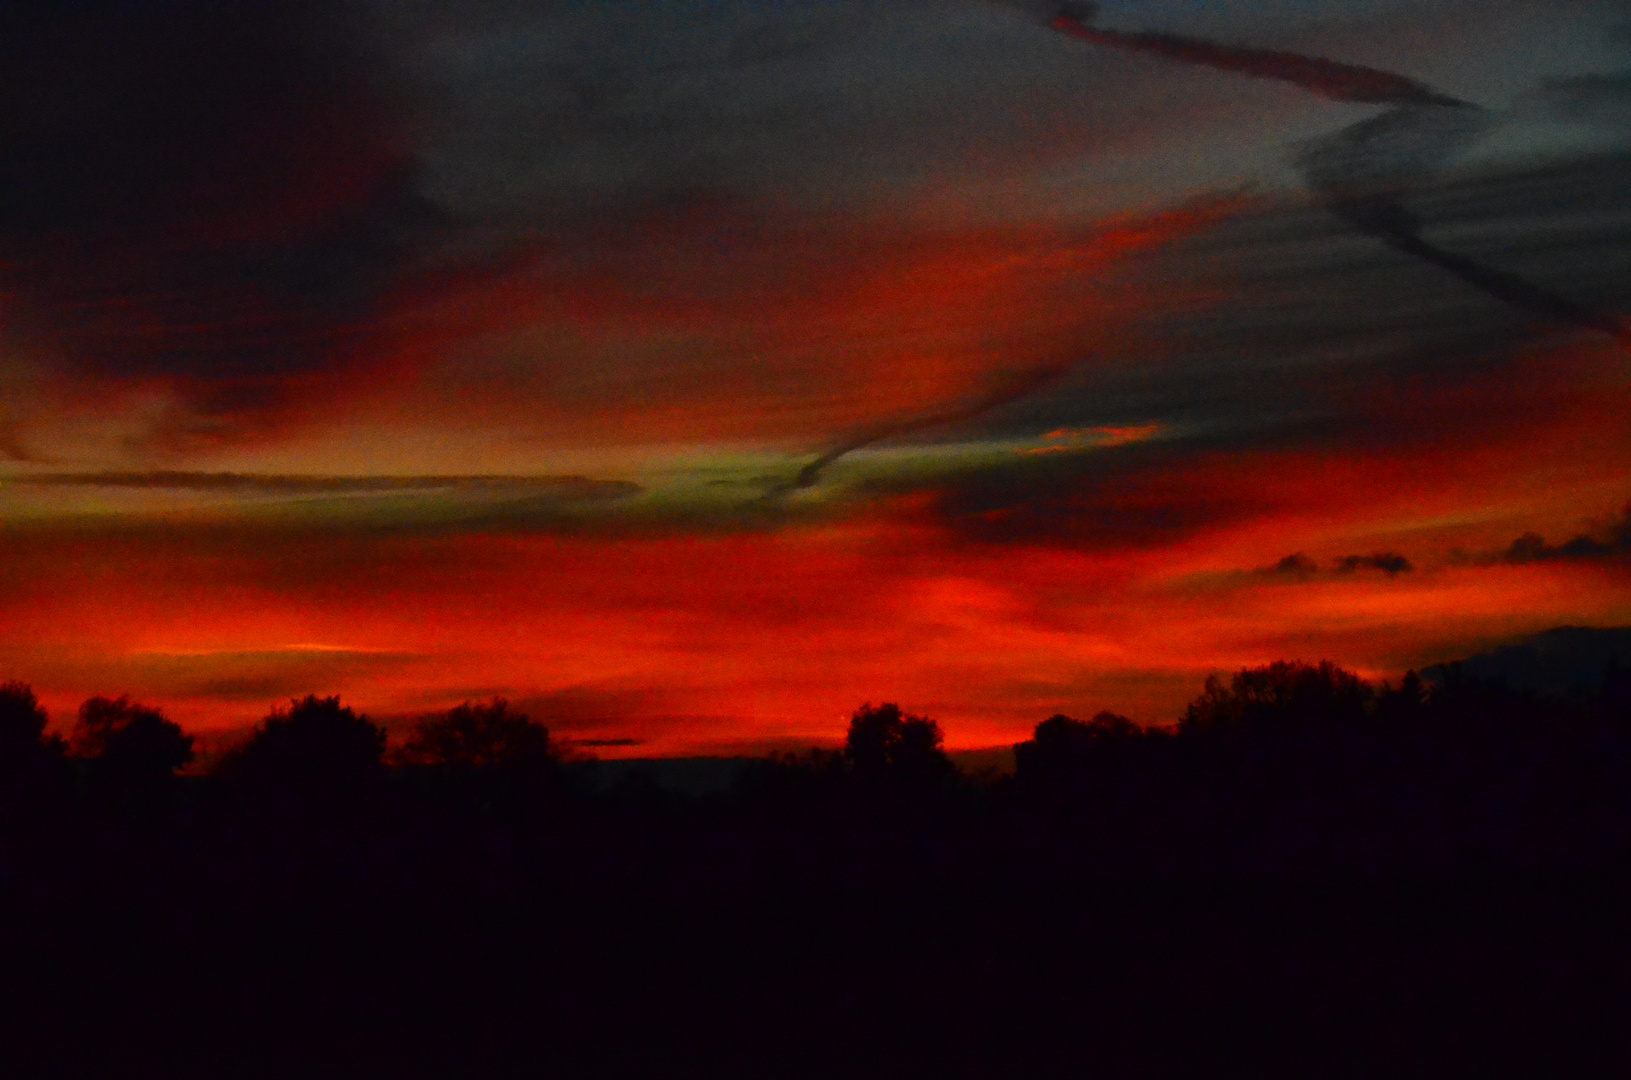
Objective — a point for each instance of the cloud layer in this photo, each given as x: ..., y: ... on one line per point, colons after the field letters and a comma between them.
x: 695, y: 371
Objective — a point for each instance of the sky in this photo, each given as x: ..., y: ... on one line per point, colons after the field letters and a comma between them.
x: 690, y: 373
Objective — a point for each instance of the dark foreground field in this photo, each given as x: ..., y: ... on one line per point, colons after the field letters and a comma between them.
x: 1307, y: 877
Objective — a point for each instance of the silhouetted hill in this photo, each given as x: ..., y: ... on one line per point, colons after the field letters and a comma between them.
x: 1564, y: 660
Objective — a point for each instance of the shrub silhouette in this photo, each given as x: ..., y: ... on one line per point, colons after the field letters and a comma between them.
x: 129, y: 741
x: 1281, y: 696
x: 883, y: 742
x: 316, y: 747
x: 475, y: 736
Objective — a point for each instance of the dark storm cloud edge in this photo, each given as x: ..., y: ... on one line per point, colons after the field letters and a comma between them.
x: 201, y: 190
x: 1363, y: 172
x: 383, y: 228
x: 290, y: 299
x: 1349, y: 169
x: 1359, y: 172
x: 250, y: 483
x: 1327, y: 78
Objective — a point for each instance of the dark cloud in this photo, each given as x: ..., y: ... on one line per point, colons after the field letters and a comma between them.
x: 1400, y: 232
x: 1611, y: 541
x: 127, y: 117
x: 242, y: 202
x: 1365, y: 171
x: 577, y: 487
x: 1314, y: 323
x: 1603, y: 99
x: 1255, y: 407
x: 198, y: 190
x: 1327, y: 78
x: 1318, y: 322
x: 548, y: 101
x: 1390, y: 563
x: 1302, y: 567
x: 1297, y: 565
x: 1120, y: 498
x: 241, y: 205
x: 1395, y: 151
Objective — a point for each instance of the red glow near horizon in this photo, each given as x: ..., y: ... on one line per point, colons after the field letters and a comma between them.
x: 697, y: 643
x: 691, y: 640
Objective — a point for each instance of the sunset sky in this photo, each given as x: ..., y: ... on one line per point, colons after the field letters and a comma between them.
x: 690, y: 372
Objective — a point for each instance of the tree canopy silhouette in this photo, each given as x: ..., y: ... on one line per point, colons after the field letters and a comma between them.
x: 476, y: 736
x: 1280, y: 696
x: 22, y: 723
x: 28, y: 757
x: 316, y: 746
x: 129, y: 740
x: 1346, y: 834
x: 885, y: 742
x: 1061, y: 744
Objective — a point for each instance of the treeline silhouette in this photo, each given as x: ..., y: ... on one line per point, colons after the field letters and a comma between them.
x: 1306, y: 875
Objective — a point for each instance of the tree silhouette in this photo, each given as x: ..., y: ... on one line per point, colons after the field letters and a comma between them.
x: 885, y: 742
x: 1404, y: 705
x: 129, y: 741
x: 1283, y: 695
x: 316, y: 747
x: 1061, y: 744
x: 30, y: 761
x: 22, y: 723
x: 475, y: 736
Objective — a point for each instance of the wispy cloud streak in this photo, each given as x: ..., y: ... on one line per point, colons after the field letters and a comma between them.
x: 578, y: 486
x: 1505, y: 287
x: 1016, y: 385
x: 1327, y: 78
x: 1363, y: 170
